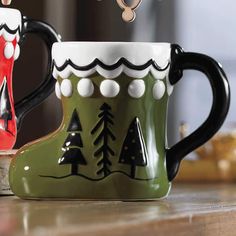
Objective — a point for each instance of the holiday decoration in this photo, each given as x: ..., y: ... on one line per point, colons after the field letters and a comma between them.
x: 6, y: 2
x: 72, y: 145
x: 5, y: 108
x: 134, y: 152
x: 13, y: 26
x: 104, y: 138
x: 112, y: 142
x: 129, y: 11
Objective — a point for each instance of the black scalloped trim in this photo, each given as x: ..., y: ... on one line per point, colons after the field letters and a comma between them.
x: 10, y: 31
x: 97, y: 62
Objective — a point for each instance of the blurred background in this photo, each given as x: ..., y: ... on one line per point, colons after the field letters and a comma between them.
x: 182, y: 22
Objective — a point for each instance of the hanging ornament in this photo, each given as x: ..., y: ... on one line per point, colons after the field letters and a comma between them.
x: 6, y: 2
x: 129, y: 14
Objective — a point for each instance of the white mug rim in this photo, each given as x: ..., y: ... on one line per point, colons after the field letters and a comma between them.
x: 10, y: 9
x: 115, y: 43
x: 110, y: 59
x: 84, y: 52
x: 10, y: 17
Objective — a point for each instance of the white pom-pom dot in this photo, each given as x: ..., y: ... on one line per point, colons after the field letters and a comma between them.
x: 109, y: 88
x: 9, y: 50
x: 8, y: 36
x: 66, y: 88
x: 17, y: 52
x: 170, y: 88
x: 85, y: 88
x: 159, y: 90
x: 58, y: 90
x: 17, y: 37
x: 136, y: 88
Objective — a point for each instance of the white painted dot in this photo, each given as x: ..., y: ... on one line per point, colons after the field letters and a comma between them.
x: 136, y: 88
x: 17, y: 52
x: 159, y: 90
x: 58, y: 90
x: 26, y: 168
x: 17, y: 37
x: 85, y: 87
x: 66, y: 88
x: 109, y: 88
x: 8, y: 36
x: 170, y: 89
x: 9, y: 50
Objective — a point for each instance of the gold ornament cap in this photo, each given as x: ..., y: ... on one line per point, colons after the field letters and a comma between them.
x: 129, y: 14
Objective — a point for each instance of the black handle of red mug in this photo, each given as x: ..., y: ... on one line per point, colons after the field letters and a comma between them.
x: 49, y: 36
x: 221, y: 99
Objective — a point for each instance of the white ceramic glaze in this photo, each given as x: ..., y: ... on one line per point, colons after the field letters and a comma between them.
x: 109, y: 88
x: 83, y: 54
x: 9, y: 50
x: 66, y: 88
x: 85, y: 87
x: 159, y: 89
x: 58, y: 90
x: 17, y: 52
x: 12, y: 19
x: 170, y: 88
x: 136, y: 88
x: 110, y: 60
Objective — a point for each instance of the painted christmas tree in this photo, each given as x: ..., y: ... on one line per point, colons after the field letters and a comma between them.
x: 5, y: 106
x: 72, y: 146
x: 104, y: 152
x: 134, y: 151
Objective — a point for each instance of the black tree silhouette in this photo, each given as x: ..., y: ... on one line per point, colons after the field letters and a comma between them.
x: 134, y: 150
x: 104, y: 137
x: 73, y: 155
x: 5, y: 106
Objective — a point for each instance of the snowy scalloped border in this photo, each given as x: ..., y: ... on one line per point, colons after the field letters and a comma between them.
x: 10, y: 24
x: 8, y: 34
x: 110, y: 71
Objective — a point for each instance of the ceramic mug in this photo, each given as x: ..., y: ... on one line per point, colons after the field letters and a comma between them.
x: 112, y: 141
x: 13, y: 28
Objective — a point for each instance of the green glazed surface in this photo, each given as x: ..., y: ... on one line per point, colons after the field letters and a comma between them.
x: 35, y: 172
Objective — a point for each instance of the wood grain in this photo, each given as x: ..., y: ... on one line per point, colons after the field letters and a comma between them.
x: 5, y: 159
x: 189, y: 210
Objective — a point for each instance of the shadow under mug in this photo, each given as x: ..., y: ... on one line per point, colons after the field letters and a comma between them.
x: 13, y: 29
x: 112, y: 141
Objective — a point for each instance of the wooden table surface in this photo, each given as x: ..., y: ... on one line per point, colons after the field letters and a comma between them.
x: 189, y: 210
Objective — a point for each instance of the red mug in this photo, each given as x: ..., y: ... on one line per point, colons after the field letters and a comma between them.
x: 13, y: 28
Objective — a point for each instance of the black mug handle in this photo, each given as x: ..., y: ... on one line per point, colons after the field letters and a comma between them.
x: 221, y: 99
x: 49, y: 36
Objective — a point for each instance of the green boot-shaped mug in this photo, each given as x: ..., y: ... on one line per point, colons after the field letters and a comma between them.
x: 112, y: 141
